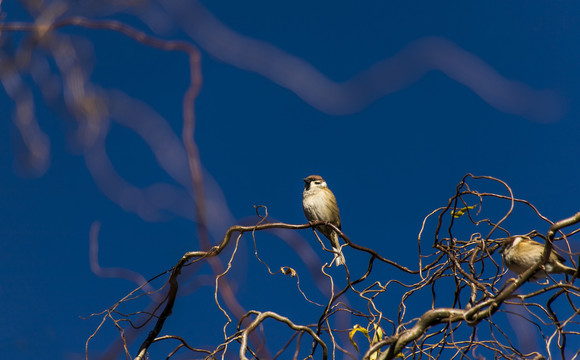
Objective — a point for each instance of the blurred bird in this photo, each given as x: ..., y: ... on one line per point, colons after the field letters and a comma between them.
x: 319, y: 203
x: 521, y: 253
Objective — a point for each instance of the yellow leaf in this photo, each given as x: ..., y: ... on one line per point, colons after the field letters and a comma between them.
x: 379, y: 334
x: 354, y: 330
x: 461, y: 212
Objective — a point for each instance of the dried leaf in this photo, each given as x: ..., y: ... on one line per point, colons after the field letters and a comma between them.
x: 288, y: 271
x: 462, y: 211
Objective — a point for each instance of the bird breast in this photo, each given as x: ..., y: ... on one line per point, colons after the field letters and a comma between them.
x: 519, y: 263
x: 320, y: 205
x: 520, y: 257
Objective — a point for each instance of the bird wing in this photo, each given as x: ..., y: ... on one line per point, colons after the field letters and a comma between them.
x: 335, y: 215
x: 554, y: 256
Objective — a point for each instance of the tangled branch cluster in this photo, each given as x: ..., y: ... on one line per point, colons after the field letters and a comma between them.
x: 463, y: 278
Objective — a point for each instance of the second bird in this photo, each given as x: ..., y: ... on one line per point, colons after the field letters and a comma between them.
x: 521, y: 253
x: 319, y: 204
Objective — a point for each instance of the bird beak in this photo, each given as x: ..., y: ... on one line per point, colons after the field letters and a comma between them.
x: 305, y: 180
x: 501, y: 241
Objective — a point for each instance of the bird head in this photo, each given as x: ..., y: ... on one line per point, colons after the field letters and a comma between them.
x: 314, y: 181
x: 506, y: 243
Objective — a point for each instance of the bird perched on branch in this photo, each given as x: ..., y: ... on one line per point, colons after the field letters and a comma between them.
x: 319, y: 203
x: 521, y: 253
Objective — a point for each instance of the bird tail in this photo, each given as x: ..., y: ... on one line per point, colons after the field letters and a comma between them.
x: 338, y: 256
x: 569, y: 271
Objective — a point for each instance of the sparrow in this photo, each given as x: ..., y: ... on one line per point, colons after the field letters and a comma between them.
x: 319, y: 203
x: 520, y: 253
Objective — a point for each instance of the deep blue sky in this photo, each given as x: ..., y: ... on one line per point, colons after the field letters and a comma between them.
x: 389, y: 164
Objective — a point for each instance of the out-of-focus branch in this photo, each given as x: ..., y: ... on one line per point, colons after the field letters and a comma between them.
x: 383, y: 78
